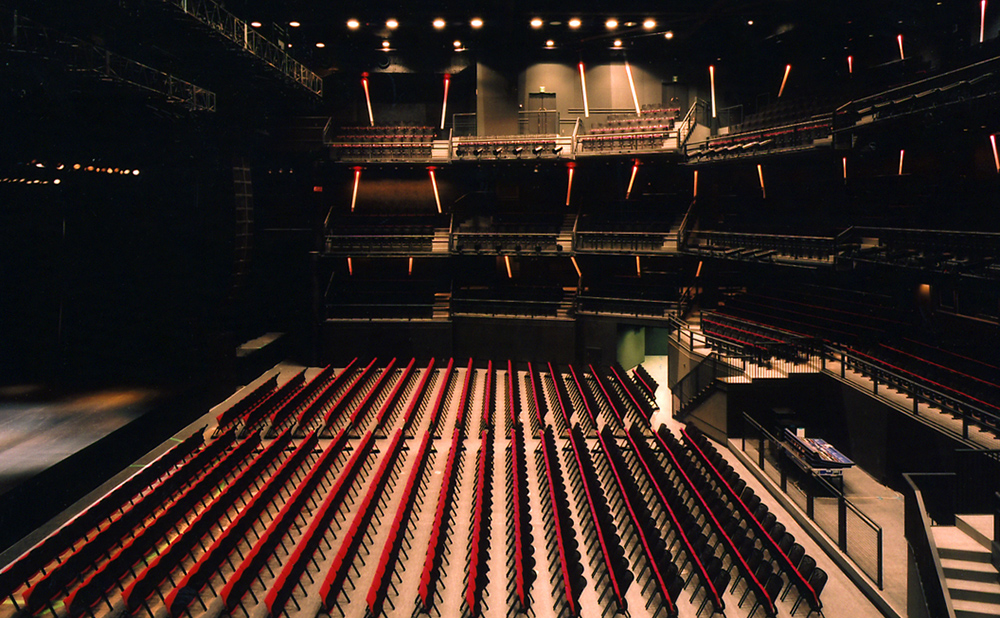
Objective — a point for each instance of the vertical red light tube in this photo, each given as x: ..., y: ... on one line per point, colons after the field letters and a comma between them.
x: 444, y: 106
x: 368, y: 98
x: 357, y: 181
x: 569, y: 185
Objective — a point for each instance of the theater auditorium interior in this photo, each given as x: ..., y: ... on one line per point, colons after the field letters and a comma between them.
x: 551, y: 309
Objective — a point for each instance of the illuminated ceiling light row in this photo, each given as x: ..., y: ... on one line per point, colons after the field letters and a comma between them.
x: 27, y: 181
x: 438, y: 23
x: 477, y: 22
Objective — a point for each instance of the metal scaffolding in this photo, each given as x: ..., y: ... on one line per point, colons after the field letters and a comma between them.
x: 213, y: 16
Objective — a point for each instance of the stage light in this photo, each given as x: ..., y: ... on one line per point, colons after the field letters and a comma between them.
x: 90, y: 168
x: 392, y: 24
x: 498, y: 151
x: 649, y: 24
x: 110, y: 171
x: 536, y: 22
x: 550, y: 43
x: 749, y: 22
x: 479, y: 151
x: 135, y: 172
x: 556, y: 150
x: 583, y: 84
x: 575, y: 23
x: 631, y: 85
x: 294, y: 24
x: 255, y: 24
x: 56, y: 181
x: 353, y: 24
x: 60, y: 166
x: 538, y: 150
x: 784, y: 80
x: 476, y: 22
x: 518, y: 150
x: 40, y: 165
x: 320, y: 45
x: 439, y: 23
x: 618, y: 43
x: 611, y: 24
x: 457, y: 44
x: 669, y: 34
x: 385, y: 44
x: 76, y: 166
x: 576, y: 266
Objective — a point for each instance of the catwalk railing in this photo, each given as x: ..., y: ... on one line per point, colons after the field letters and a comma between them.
x: 855, y: 533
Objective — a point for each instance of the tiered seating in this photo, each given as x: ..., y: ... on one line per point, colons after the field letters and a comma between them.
x: 509, y: 232
x: 647, y: 131
x: 561, y: 545
x: 466, y: 399
x: 740, y: 338
x: 113, y: 504
x: 571, y: 399
x: 417, y: 401
x: 520, y: 552
x: 564, y: 417
x: 512, y: 403
x: 374, y: 396
x: 273, y: 405
x: 286, y: 412
x: 443, y: 398
x: 809, y: 585
x: 249, y: 569
x: 392, y: 143
x: 536, y: 401
x: 247, y: 403
x: 644, y: 403
x: 489, y: 397
x: 313, y: 407
x: 646, y: 381
x: 611, y: 574
x: 586, y: 396
x: 386, y: 569
x: 477, y: 572
x: 659, y: 569
x: 615, y: 399
x: 399, y: 391
x: 356, y: 386
x: 227, y: 543
x: 95, y: 585
x: 205, y: 519
x: 393, y: 233
x: 719, y: 517
x: 332, y: 585
x: 42, y: 592
x: 430, y: 576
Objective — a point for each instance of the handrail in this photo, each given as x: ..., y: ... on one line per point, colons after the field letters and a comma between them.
x: 686, y: 126
x: 917, y: 530
x: 682, y: 231
x: 885, y: 93
x: 577, y: 125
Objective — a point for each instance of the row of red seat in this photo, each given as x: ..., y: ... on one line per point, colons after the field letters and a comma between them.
x: 664, y: 575
x: 96, y: 584
x: 374, y: 396
x: 612, y: 577
x: 430, y: 575
x: 385, y: 571
x: 401, y: 389
x: 356, y: 385
x: 537, y: 399
x: 643, y: 402
x: 764, y: 597
x: 239, y: 584
x: 416, y: 401
x: 698, y: 444
x: 586, y: 396
x: 513, y: 403
x: 479, y: 533
x: 444, y: 396
x: 520, y: 558
x: 247, y: 402
x: 228, y: 542
x: 287, y: 412
x: 606, y: 394
x: 205, y: 519
x: 113, y: 504
x: 81, y: 559
x: 315, y: 404
x: 466, y: 398
x: 272, y: 404
x: 333, y: 583
x: 561, y: 546
x: 489, y: 398
x: 648, y: 383
x: 565, y: 416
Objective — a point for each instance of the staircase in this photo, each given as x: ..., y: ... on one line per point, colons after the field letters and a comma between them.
x: 972, y: 581
x: 565, y: 237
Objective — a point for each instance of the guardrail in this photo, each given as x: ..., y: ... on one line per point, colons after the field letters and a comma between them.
x: 855, y: 533
x: 917, y: 530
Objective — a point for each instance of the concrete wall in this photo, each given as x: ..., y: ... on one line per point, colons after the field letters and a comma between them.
x: 496, y: 103
x: 631, y: 345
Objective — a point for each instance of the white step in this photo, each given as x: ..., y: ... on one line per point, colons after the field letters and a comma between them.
x: 971, y: 571
x: 978, y: 527
x: 973, y: 609
x: 966, y: 590
x: 955, y: 544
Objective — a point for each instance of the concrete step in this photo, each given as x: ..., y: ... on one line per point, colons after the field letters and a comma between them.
x: 978, y: 527
x: 982, y: 592
x: 955, y: 544
x: 973, y: 609
x: 969, y: 571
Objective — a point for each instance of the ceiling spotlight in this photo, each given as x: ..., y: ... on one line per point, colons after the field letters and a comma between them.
x: 385, y: 44
x: 536, y: 22
x: 618, y: 42
x: 476, y: 22
x: 438, y: 23
x: 56, y: 181
x: 135, y: 172
x: 353, y: 24
x: 575, y: 22
x: 611, y: 24
x: 294, y: 24
x: 320, y: 45
x: 392, y: 24
x: 550, y: 43
x: 255, y: 24
x: 649, y: 24
x: 457, y: 44
x: 749, y: 22
x: 76, y: 166
x: 669, y: 34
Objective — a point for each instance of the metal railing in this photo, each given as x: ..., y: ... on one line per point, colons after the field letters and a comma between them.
x: 855, y: 533
x: 237, y: 31
x: 917, y: 524
x: 686, y: 126
x: 744, y: 245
